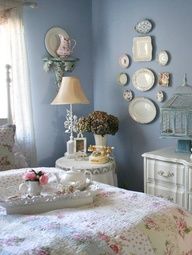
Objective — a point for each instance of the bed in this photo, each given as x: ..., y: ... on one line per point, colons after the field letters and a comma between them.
x: 117, y: 222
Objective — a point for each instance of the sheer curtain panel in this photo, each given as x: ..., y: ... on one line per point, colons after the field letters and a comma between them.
x: 13, y: 52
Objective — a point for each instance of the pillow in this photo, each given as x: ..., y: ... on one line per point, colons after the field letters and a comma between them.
x: 7, y: 134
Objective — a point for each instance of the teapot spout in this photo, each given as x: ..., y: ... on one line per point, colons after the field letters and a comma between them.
x: 58, y: 178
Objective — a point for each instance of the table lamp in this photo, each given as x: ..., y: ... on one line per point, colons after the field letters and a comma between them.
x: 70, y: 92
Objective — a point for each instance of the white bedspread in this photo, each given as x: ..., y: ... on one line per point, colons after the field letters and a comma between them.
x: 118, y: 222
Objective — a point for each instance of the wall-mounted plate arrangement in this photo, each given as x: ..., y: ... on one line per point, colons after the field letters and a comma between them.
x: 144, y: 26
x: 142, y: 48
x: 52, y: 40
x: 122, y: 79
x: 143, y: 79
x: 164, y: 79
x: 124, y: 61
x: 163, y: 57
x: 128, y: 95
x: 160, y: 96
x: 142, y: 110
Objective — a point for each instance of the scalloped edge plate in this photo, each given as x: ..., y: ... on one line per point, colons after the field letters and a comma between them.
x: 122, y: 79
x: 124, y: 61
x: 163, y: 57
x: 128, y: 95
x: 147, y: 82
x: 142, y: 48
x: 143, y: 26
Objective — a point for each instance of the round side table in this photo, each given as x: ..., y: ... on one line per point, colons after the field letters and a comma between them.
x: 105, y: 173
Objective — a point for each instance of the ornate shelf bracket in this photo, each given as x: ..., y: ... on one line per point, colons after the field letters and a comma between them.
x: 59, y: 66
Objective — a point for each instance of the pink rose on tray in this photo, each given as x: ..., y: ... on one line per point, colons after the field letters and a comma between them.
x: 29, y: 176
x: 43, y: 179
x: 33, y: 175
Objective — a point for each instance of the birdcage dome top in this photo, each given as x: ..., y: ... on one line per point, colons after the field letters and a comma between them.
x: 181, y: 99
x: 184, y: 88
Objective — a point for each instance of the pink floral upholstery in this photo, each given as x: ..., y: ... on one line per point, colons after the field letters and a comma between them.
x: 10, y: 155
x: 7, y: 134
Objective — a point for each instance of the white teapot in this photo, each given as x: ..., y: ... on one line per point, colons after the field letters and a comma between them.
x: 78, y: 178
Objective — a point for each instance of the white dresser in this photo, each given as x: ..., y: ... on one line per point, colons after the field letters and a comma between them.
x: 168, y: 174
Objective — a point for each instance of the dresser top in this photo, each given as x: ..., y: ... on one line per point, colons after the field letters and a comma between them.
x: 169, y: 154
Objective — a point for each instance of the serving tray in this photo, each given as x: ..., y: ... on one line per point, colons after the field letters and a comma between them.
x: 22, y: 204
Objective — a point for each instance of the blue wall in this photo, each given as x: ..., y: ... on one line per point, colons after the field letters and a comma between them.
x: 75, y: 18
x: 113, y: 32
x: 104, y: 29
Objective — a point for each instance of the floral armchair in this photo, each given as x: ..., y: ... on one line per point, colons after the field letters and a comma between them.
x: 10, y: 156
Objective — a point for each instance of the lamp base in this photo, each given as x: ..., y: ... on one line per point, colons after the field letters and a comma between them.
x: 70, y: 149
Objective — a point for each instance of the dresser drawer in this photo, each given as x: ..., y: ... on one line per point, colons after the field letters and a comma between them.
x: 172, y: 194
x: 165, y: 171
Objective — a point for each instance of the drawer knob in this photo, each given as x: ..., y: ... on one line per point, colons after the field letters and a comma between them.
x: 164, y: 174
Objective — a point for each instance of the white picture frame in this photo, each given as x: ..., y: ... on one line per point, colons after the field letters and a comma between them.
x: 142, y: 48
x: 80, y: 144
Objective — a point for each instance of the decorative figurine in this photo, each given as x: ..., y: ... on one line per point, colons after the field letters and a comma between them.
x: 164, y: 79
x: 160, y: 96
x: 100, y: 154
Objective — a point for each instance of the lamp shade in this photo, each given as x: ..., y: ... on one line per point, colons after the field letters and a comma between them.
x: 70, y: 92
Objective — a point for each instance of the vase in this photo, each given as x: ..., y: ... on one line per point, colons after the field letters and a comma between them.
x: 100, y: 140
x: 34, y: 188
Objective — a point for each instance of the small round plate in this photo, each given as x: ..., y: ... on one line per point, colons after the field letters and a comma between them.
x: 163, y: 57
x: 52, y: 40
x: 144, y: 26
x: 122, y: 79
x: 128, y: 95
x: 124, y: 61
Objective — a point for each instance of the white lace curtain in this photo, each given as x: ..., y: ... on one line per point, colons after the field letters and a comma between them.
x: 12, y: 32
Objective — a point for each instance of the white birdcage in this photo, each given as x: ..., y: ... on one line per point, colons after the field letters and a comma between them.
x: 176, y: 117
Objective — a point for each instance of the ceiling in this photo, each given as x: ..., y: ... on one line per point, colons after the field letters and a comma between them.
x: 8, y: 4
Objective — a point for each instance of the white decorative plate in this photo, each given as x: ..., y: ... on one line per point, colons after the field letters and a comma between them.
x: 142, y: 48
x: 143, y: 26
x: 122, y: 79
x: 142, y: 110
x: 52, y: 40
x: 124, y: 61
x: 128, y: 95
x: 143, y: 79
x: 162, y: 58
